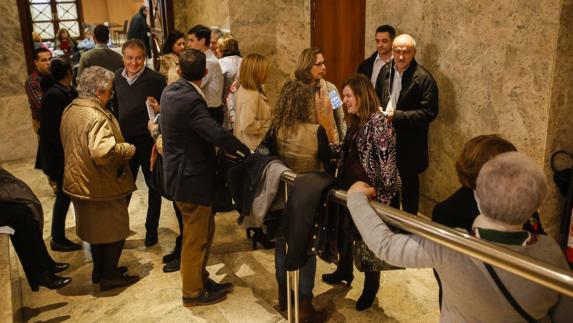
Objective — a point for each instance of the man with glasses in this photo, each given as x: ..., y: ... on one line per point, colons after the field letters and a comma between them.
x: 409, y: 96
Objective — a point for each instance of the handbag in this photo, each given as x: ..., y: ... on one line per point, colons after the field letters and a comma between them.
x: 562, y: 177
x: 157, y: 177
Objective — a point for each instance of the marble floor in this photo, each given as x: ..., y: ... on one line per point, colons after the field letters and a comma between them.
x: 405, y: 295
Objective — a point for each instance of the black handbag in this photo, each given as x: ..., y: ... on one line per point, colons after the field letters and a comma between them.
x: 562, y: 177
x: 157, y: 178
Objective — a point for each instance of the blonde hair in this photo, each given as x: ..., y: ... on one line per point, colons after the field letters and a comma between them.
x: 227, y: 44
x: 36, y: 37
x: 304, y: 64
x: 253, y: 71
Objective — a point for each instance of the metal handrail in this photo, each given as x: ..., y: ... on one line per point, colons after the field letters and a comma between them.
x: 529, y: 268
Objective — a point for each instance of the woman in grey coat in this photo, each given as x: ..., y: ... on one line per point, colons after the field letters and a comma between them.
x: 510, y: 187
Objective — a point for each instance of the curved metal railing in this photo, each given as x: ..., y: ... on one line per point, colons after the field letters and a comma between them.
x: 529, y: 268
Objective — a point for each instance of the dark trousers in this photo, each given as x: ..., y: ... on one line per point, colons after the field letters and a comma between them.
x: 143, y: 146
x: 307, y: 272
x: 27, y: 240
x: 61, y: 206
x: 409, y: 194
x: 179, y: 238
x: 218, y: 114
x: 345, y: 268
x: 105, y: 258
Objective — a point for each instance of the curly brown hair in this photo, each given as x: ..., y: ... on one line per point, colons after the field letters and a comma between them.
x: 295, y: 104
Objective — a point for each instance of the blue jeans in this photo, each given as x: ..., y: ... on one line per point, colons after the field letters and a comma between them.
x: 307, y: 272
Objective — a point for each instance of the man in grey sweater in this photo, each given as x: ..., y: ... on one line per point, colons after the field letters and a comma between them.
x: 510, y: 187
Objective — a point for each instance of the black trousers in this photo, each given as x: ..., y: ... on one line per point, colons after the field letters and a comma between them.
x: 105, y: 258
x: 179, y: 238
x: 143, y: 146
x: 61, y: 206
x: 346, y: 266
x: 409, y: 194
x: 27, y: 240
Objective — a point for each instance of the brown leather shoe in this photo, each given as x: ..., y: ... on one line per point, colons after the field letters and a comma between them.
x: 207, y: 298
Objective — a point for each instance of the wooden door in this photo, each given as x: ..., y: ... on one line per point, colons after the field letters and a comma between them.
x: 338, y: 30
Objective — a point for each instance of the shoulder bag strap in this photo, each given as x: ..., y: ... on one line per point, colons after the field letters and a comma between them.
x: 508, y: 295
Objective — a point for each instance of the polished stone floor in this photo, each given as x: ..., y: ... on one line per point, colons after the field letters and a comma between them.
x: 405, y: 295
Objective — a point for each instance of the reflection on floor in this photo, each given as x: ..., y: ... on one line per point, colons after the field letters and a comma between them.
x: 405, y: 295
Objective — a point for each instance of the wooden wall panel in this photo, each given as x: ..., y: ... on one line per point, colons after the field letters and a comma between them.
x: 95, y: 11
x: 122, y: 10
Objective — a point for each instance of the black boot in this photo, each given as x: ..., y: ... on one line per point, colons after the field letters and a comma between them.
x: 371, y: 286
x: 258, y: 236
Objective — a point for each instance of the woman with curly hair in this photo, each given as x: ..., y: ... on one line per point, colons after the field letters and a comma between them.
x: 368, y: 155
x: 303, y: 146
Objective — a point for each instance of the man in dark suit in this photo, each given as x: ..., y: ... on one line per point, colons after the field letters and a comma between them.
x: 190, y: 135
x: 409, y: 95
x: 371, y: 66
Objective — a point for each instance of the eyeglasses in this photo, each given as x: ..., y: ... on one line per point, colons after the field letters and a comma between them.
x: 319, y: 64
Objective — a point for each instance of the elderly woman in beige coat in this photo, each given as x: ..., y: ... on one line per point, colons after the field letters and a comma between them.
x: 253, y: 114
x: 97, y: 176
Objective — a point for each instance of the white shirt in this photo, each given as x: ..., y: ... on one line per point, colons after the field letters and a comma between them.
x: 212, y: 83
x: 395, y: 93
x: 132, y: 80
x: 198, y: 89
x: 378, y: 63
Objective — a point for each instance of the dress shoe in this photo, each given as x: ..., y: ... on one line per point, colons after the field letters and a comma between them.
x: 336, y: 278
x: 96, y: 277
x: 176, y: 254
x: 212, y: 286
x: 207, y: 298
x: 51, y: 281
x: 365, y: 300
x: 64, y: 246
x: 173, y: 265
x: 58, y: 267
x: 150, y: 239
x: 121, y: 280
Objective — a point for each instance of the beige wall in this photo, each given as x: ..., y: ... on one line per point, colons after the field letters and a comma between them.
x: 495, y: 67
x: 560, y: 122
x: 280, y: 36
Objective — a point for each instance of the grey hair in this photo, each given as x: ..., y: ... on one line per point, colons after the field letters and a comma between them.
x: 407, y: 38
x: 510, y: 187
x: 94, y: 79
x: 217, y: 31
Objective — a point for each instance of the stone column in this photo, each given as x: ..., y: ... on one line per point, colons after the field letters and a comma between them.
x: 17, y: 139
